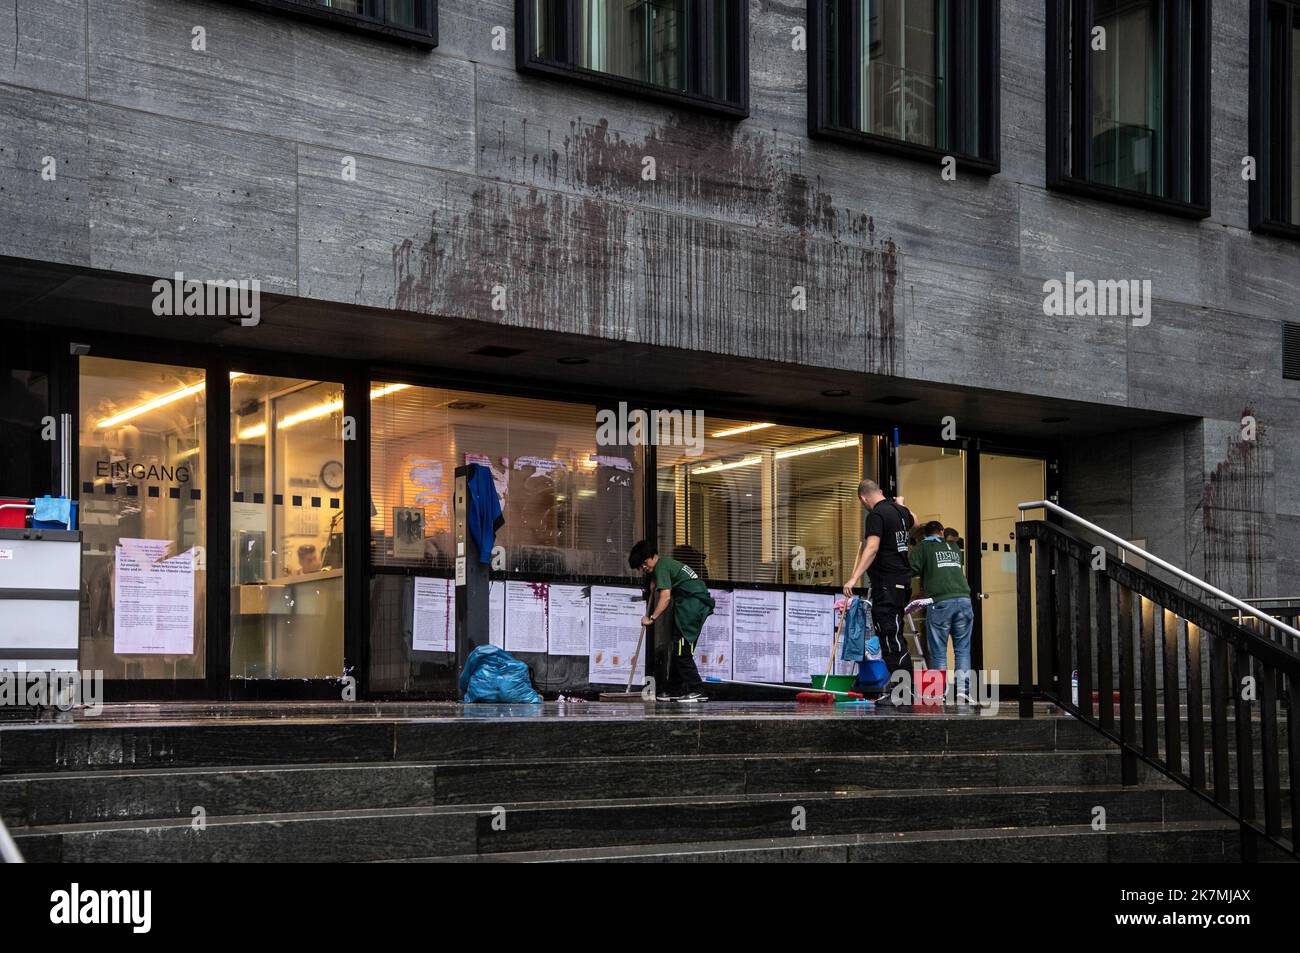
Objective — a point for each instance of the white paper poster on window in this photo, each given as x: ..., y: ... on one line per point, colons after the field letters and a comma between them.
x: 713, y: 650
x: 615, y: 629
x: 809, y: 630
x: 527, y: 605
x: 568, y: 627
x: 757, y: 626
x: 497, y: 613
x: 433, y: 626
x: 153, y: 599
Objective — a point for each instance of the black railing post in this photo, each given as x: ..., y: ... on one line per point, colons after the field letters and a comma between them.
x: 1127, y: 690
x: 1024, y: 623
x: 1064, y: 648
x: 1150, y: 723
x: 1219, y: 696
x: 1195, y: 706
x: 1083, y: 635
x: 1105, y: 662
x: 1173, y: 723
x: 1293, y: 749
x: 1045, y: 613
x: 1269, y: 750
x: 1241, y: 670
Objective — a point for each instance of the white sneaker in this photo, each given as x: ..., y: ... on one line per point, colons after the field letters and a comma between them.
x: 964, y: 699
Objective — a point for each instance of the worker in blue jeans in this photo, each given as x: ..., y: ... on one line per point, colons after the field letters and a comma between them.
x: 940, y: 566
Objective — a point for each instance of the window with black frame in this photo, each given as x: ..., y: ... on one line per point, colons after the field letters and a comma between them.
x: 1275, y: 116
x: 691, y: 52
x: 415, y: 21
x: 915, y: 77
x: 1128, y: 102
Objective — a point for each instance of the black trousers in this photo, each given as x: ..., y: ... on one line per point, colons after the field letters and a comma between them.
x: 683, y: 676
x: 889, y: 597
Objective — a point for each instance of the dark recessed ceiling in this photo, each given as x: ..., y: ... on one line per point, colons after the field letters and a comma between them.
x: 496, y: 350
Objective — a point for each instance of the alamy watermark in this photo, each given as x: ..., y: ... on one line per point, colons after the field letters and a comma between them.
x: 51, y: 689
x: 231, y: 298
x: 660, y: 428
x: 937, y: 686
x: 1129, y: 298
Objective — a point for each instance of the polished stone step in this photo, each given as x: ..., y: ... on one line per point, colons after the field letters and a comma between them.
x: 74, y: 798
x: 474, y: 829
x: 490, y: 734
x: 1176, y: 842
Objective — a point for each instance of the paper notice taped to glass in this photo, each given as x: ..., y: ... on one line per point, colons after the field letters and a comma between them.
x: 153, y: 604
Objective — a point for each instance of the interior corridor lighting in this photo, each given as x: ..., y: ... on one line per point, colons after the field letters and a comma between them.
x: 157, y: 402
x: 785, y: 454
x: 748, y: 428
x: 315, y: 413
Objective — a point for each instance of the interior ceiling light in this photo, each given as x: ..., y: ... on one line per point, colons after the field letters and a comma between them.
x: 719, y: 467
x: 157, y: 402
x: 747, y: 428
x: 785, y: 454
x: 315, y: 413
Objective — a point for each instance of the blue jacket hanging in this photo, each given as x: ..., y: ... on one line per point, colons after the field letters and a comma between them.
x: 855, y: 631
x: 484, y: 517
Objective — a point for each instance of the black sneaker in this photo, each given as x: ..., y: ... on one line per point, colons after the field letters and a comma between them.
x: 693, y: 698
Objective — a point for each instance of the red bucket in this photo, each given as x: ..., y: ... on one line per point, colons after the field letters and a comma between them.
x: 931, y: 685
x: 12, y: 517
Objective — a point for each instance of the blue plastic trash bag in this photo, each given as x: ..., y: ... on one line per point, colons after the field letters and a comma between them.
x: 494, y: 675
x: 855, y: 631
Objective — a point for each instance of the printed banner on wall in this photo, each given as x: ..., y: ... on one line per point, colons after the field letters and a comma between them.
x: 433, y: 626
x: 497, y: 613
x: 568, y: 625
x: 809, y: 631
x: 713, y: 650
x: 527, y: 608
x: 616, y: 614
x: 757, y: 635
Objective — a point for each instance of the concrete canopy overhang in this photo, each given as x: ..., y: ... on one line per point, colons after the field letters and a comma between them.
x: 112, y: 303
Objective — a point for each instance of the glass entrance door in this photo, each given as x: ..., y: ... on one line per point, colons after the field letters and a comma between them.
x: 286, y: 528
x: 932, y: 481
x: 141, y: 475
x: 1005, y: 481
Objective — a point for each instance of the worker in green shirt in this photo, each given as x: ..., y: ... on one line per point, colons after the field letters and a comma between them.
x: 939, y: 564
x: 678, y: 585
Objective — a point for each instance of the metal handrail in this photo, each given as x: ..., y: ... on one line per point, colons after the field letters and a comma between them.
x: 1157, y: 561
x: 9, y: 853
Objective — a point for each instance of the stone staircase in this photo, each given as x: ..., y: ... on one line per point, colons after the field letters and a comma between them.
x: 723, y: 783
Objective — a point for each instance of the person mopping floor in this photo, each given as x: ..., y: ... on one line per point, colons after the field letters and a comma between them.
x: 678, y: 586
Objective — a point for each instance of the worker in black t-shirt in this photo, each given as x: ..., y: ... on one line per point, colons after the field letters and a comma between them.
x: 883, y: 556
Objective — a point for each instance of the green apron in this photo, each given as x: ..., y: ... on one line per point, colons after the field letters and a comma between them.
x: 689, y: 612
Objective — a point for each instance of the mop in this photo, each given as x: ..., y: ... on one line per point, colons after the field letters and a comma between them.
x: 786, y: 688
x: 823, y: 695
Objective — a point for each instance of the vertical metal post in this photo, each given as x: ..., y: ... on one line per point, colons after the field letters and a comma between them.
x: 65, y: 455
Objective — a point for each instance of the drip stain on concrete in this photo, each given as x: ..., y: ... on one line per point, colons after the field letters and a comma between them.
x: 1233, y: 508
x: 707, y: 255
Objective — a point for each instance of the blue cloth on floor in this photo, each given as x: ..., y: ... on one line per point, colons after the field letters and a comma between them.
x: 494, y: 675
x: 854, y: 646
x: 484, y: 517
x: 51, y: 509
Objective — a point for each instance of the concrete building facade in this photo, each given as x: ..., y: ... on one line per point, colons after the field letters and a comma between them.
x: 410, y: 206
